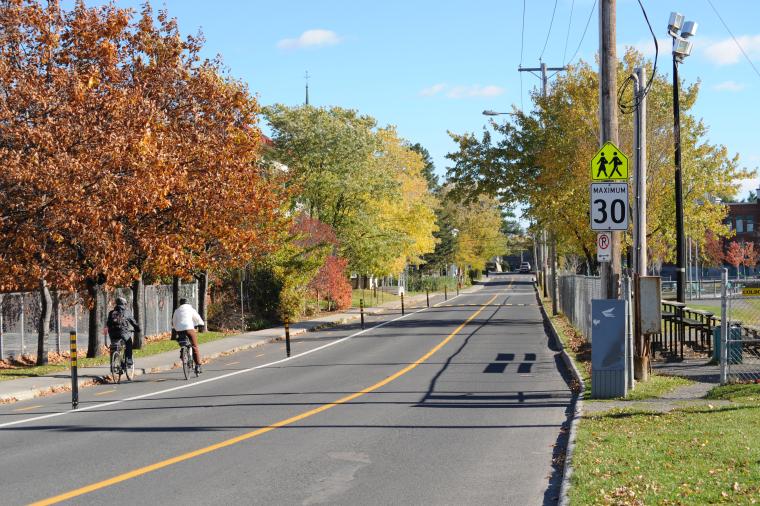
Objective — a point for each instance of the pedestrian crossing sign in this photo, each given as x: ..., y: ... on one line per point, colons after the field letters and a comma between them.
x: 609, y: 163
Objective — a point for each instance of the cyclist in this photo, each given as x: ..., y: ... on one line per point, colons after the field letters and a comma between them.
x: 121, y: 325
x: 185, y: 319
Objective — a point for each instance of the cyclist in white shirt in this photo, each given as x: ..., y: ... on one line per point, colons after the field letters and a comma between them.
x: 185, y: 319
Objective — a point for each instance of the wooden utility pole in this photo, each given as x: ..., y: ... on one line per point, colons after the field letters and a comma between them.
x: 545, y: 260
x: 608, y: 120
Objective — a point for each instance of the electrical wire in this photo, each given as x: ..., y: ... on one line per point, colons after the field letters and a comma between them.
x: 522, y: 47
x: 630, y: 107
x: 588, y: 21
x: 567, y: 37
x: 551, y: 23
x: 733, y: 37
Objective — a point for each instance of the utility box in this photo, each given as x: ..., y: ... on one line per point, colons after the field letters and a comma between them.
x: 650, y: 309
x: 609, y: 355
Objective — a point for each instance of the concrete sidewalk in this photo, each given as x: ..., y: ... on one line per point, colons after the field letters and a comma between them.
x: 31, y: 387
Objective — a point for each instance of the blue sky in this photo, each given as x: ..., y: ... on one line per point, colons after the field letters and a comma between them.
x: 429, y: 66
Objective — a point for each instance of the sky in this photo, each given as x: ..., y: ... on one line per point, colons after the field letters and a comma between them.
x: 432, y: 66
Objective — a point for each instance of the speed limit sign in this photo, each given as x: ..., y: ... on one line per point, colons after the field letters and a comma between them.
x: 609, y: 206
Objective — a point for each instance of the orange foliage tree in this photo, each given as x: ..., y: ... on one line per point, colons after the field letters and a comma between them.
x: 122, y: 152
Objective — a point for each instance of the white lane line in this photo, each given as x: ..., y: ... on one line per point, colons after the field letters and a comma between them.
x: 210, y: 380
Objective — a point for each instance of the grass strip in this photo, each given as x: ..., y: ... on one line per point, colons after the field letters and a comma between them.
x: 704, y: 455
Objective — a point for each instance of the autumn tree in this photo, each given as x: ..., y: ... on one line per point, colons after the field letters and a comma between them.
x: 735, y: 255
x: 111, y: 142
x: 541, y: 159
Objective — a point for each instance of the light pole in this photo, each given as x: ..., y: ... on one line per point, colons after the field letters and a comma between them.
x: 489, y: 112
x: 681, y: 49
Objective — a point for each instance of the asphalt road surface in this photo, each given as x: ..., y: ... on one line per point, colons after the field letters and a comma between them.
x: 457, y: 404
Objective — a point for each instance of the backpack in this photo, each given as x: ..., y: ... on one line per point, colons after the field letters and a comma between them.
x: 118, y: 325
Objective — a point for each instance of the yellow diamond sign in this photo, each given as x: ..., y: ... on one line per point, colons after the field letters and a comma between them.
x: 609, y: 163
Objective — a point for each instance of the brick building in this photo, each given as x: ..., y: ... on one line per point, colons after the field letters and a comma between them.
x: 743, y: 218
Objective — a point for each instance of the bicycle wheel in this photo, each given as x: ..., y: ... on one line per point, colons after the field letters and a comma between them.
x: 116, y: 366
x: 129, y: 370
x: 185, y: 365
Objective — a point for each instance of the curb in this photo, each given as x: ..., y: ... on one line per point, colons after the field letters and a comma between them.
x: 567, y: 468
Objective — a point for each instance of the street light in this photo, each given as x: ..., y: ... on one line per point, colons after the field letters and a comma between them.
x: 489, y: 112
x: 681, y: 49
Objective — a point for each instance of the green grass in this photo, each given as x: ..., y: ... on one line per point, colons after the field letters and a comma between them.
x: 382, y: 297
x: 657, y: 386
x: 151, y: 348
x: 746, y: 310
x: 738, y: 393
x: 691, y: 456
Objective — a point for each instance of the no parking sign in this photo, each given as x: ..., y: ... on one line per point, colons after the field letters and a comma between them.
x: 603, y: 244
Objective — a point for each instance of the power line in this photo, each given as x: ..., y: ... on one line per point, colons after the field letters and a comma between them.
x: 733, y: 37
x: 588, y: 21
x: 522, y: 35
x: 551, y: 23
x: 567, y: 37
x: 629, y: 107
x: 522, y: 47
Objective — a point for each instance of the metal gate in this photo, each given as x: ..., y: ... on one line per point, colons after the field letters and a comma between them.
x: 741, y: 359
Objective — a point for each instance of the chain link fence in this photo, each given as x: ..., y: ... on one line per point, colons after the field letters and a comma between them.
x: 743, y: 337
x: 20, y: 317
x: 575, y: 294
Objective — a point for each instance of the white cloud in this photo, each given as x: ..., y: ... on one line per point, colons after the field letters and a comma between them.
x: 433, y: 90
x: 646, y: 47
x: 311, y: 38
x: 475, y: 90
x: 729, y: 86
x: 463, y: 91
x: 726, y: 52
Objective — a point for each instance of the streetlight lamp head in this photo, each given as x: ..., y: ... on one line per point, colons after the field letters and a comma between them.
x: 675, y: 23
x: 689, y: 29
x: 489, y: 112
x: 681, y: 48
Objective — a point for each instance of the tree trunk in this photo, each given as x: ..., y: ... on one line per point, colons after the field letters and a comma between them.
x: 93, y: 328
x: 138, y: 292
x: 202, y: 293
x: 175, y: 299
x: 43, y: 329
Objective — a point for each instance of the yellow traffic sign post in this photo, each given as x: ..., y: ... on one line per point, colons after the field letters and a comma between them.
x: 609, y: 163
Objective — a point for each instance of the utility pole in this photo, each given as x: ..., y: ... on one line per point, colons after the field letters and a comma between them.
x: 544, y: 90
x: 640, y: 174
x: 641, y: 347
x: 610, y: 271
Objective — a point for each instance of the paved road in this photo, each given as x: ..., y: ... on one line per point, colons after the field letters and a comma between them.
x: 457, y: 404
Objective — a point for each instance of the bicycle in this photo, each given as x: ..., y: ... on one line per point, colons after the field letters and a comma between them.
x: 119, y: 364
x: 186, y: 354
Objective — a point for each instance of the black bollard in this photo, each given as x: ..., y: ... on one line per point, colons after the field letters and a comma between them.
x: 74, y: 375
x: 427, y: 296
x: 287, y: 337
x: 361, y: 311
x: 402, y: 303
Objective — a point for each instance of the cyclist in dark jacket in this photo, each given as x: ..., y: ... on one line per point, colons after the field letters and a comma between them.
x: 121, y: 325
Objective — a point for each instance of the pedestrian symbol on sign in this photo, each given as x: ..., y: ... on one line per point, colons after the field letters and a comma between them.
x: 609, y: 163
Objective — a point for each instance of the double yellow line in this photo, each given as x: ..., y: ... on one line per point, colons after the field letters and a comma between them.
x: 250, y: 435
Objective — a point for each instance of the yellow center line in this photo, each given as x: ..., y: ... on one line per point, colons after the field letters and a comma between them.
x: 282, y: 423
x: 27, y: 408
x: 232, y: 363
x: 260, y: 355
x: 106, y: 392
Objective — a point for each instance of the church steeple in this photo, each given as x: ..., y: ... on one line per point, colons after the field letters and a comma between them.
x: 306, y: 76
